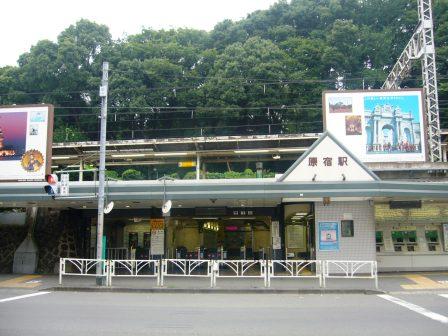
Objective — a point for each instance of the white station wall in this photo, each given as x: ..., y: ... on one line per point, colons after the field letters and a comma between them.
x: 359, y: 247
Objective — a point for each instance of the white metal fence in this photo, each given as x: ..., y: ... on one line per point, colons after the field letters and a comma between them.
x: 83, y: 267
x: 134, y: 269
x: 239, y: 269
x: 294, y: 269
x: 350, y: 269
x: 267, y: 270
x: 186, y: 268
x: 117, y: 253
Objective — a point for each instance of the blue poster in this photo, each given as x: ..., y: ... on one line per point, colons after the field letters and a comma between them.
x: 392, y: 124
x: 328, y: 236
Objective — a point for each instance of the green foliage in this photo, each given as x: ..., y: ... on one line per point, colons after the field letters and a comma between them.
x: 65, y: 133
x: 190, y: 176
x: 132, y: 174
x: 112, y: 174
x: 247, y: 173
x: 225, y: 78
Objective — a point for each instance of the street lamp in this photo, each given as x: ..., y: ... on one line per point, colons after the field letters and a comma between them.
x: 166, y: 206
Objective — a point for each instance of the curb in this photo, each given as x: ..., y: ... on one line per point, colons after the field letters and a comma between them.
x: 213, y: 290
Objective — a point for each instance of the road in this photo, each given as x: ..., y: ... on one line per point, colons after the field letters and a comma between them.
x: 92, y: 313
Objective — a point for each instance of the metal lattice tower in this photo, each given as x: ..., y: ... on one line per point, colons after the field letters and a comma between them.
x: 421, y: 46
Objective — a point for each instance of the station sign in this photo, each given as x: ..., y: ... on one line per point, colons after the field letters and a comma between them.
x: 187, y: 164
x: 328, y: 160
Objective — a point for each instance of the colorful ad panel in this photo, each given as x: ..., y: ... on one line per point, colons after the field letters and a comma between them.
x: 378, y: 126
x: 25, y: 142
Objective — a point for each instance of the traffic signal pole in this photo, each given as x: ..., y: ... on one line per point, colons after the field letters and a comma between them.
x: 101, y: 280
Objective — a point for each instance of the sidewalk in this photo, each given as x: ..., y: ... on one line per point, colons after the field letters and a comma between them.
x: 392, y: 282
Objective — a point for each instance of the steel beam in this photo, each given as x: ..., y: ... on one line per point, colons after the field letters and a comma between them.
x: 421, y: 46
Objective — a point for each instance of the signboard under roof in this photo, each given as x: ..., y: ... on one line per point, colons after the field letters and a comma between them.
x: 377, y: 125
x: 26, y: 134
x: 327, y: 160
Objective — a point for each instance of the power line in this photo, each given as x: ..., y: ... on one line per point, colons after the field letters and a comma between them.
x: 267, y: 81
x: 206, y: 127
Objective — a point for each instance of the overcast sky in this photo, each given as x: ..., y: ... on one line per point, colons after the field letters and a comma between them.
x: 24, y: 23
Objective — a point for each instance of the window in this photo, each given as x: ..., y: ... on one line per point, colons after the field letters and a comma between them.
x: 347, y: 228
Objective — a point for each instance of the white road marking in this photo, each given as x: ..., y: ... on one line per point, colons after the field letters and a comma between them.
x: 444, y: 295
x: 415, y: 308
x: 23, y: 296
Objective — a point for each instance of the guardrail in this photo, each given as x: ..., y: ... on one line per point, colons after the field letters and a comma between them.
x: 134, y: 269
x: 239, y: 269
x: 294, y: 269
x: 117, y: 253
x: 350, y: 269
x: 214, y: 269
x: 83, y: 267
x: 186, y: 268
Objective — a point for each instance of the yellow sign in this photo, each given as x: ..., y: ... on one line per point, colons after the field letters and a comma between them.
x: 157, y: 224
x: 404, y: 228
x: 187, y: 164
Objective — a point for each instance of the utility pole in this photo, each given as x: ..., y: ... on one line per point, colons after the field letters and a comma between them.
x: 100, y: 280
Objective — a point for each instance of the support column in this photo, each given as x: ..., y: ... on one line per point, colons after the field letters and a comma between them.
x: 81, y: 170
x: 198, y: 167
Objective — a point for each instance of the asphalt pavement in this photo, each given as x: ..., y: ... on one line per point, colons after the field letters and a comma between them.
x: 406, y: 304
x: 94, y: 313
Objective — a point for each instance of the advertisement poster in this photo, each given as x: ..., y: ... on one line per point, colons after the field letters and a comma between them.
x: 26, y: 134
x: 328, y: 236
x: 378, y: 126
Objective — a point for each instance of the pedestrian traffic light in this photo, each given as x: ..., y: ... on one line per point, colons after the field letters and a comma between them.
x: 52, y: 188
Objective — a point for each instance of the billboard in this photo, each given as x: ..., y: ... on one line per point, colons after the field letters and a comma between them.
x: 26, y: 134
x: 377, y: 125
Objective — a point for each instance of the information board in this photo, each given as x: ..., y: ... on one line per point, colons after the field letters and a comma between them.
x: 157, y: 236
x: 445, y: 237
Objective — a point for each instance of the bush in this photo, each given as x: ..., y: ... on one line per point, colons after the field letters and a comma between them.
x: 132, y: 174
x: 112, y: 174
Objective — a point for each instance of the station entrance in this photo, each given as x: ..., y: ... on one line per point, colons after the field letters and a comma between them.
x: 300, y: 231
x: 259, y: 236
x: 220, y: 238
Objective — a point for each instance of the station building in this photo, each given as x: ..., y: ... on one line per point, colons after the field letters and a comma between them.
x: 328, y: 199
x: 327, y: 205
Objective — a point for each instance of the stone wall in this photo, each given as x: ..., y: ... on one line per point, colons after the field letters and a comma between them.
x: 10, y: 239
x: 56, y: 236
x: 56, y: 233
